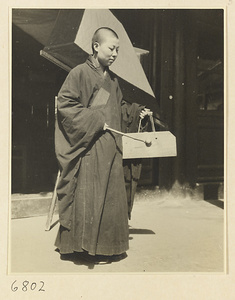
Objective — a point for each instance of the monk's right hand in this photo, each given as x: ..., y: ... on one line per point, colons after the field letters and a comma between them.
x: 105, y: 126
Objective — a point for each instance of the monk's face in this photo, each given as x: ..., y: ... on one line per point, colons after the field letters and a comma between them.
x: 107, y: 50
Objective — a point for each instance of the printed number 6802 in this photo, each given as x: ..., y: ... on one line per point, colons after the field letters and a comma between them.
x: 26, y: 286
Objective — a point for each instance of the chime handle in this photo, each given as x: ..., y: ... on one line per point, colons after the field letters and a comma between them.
x: 151, y: 121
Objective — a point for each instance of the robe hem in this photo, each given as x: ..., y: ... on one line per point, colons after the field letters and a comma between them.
x: 99, y: 252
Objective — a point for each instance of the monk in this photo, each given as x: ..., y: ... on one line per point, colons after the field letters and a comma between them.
x: 93, y: 210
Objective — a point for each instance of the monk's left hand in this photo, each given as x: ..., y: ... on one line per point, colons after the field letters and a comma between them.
x: 145, y: 112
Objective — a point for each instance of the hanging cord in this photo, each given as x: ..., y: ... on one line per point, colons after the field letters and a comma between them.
x: 147, y: 142
x: 150, y: 115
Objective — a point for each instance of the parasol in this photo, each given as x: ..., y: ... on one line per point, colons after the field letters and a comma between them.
x: 69, y: 44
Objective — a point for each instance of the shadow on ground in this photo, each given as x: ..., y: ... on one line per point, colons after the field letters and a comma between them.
x: 217, y: 203
x: 90, y: 261
x: 140, y: 231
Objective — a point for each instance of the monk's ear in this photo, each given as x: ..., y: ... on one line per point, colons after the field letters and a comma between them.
x: 96, y: 46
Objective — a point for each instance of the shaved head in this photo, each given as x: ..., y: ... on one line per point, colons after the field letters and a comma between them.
x: 101, y: 34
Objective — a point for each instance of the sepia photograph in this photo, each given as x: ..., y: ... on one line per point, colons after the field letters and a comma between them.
x: 117, y: 141
x: 117, y: 146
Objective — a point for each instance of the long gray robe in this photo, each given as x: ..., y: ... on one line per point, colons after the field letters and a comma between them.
x: 93, y: 209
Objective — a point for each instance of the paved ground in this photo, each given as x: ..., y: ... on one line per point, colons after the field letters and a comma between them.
x: 167, y: 234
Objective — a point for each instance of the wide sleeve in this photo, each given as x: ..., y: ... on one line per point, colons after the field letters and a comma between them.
x: 78, y: 123
x: 130, y: 116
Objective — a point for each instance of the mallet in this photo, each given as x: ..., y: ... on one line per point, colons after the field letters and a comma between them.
x: 148, y: 143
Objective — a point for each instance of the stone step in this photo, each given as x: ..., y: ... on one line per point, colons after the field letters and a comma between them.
x: 33, y: 205
x: 30, y: 205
